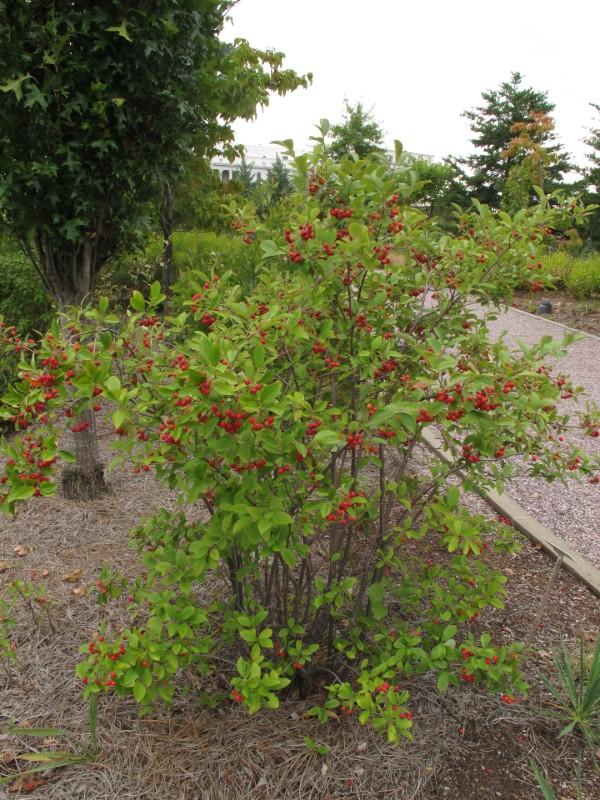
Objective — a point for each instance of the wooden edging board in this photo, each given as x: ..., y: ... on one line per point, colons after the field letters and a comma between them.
x: 526, y: 524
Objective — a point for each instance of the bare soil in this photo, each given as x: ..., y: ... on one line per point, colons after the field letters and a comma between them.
x: 468, y: 744
x: 566, y: 309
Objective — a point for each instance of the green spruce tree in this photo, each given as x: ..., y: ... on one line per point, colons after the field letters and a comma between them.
x: 492, y: 124
x: 358, y: 132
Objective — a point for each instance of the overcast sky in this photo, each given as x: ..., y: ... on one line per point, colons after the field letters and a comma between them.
x: 420, y: 64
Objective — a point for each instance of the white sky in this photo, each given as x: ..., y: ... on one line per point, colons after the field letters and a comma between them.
x: 419, y: 64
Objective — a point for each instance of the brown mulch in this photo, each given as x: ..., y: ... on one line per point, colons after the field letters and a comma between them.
x: 468, y: 744
x: 566, y: 309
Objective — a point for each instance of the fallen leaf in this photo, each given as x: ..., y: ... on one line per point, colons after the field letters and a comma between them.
x: 4, y: 565
x: 73, y: 577
x: 25, y: 783
x: 21, y: 550
x: 78, y: 591
x: 8, y: 755
x: 44, y: 573
x: 361, y: 747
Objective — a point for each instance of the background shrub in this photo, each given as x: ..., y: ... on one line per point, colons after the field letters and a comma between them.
x: 558, y: 264
x: 579, y: 275
x: 23, y: 302
x: 203, y: 250
x: 208, y: 251
x: 583, y: 277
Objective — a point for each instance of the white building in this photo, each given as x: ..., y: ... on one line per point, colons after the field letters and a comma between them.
x: 261, y: 157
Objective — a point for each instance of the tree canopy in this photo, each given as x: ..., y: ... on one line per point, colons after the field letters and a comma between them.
x: 99, y: 103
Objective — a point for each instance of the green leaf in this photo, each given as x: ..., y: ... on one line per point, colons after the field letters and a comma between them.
x: 48, y: 756
x: 209, y: 350
x: 113, y: 384
x: 16, y: 85
x: 377, y: 596
x: 452, y: 497
x: 15, y: 729
x: 398, y: 150
x: 137, y: 301
x: 156, y: 295
x: 280, y: 518
x: 271, y: 249
x: 287, y: 144
x: 288, y: 557
x: 443, y: 681
x: 327, y: 438
x: 358, y: 231
x: 258, y: 356
x: 121, y: 30
x: 270, y: 393
x: 139, y: 691
x: 119, y: 417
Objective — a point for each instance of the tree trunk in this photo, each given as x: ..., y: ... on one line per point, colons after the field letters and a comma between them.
x: 166, y: 221
x: 84, y: 480
x: 71, y: 275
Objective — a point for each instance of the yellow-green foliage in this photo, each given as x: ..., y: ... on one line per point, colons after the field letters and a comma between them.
x: 583, y: 280
x: 557, y: 265
x: 579, y: 275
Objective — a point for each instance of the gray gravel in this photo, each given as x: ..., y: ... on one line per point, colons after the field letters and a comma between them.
x: 571, y: 511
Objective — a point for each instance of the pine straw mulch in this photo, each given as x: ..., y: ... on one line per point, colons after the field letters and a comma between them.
x: 468, y: 744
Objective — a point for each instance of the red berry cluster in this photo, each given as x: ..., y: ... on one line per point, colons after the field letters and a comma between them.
x: 382, y: 254
x: 424, y: 416
x: 341, y: 515
x: 258, y: 464
x: 181, y: 363
x: 148, y: 322
x: 341, y: 213
x: 315, y: 183
x: 307, y: 232
x: 80, y: 427
x: 469, y: 454
x: 481, y: 399
x: 386, y: 368
x: 355, y: 440
x: 313, y: 427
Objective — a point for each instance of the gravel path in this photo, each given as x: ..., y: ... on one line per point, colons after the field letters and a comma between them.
x: 571, y: 511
